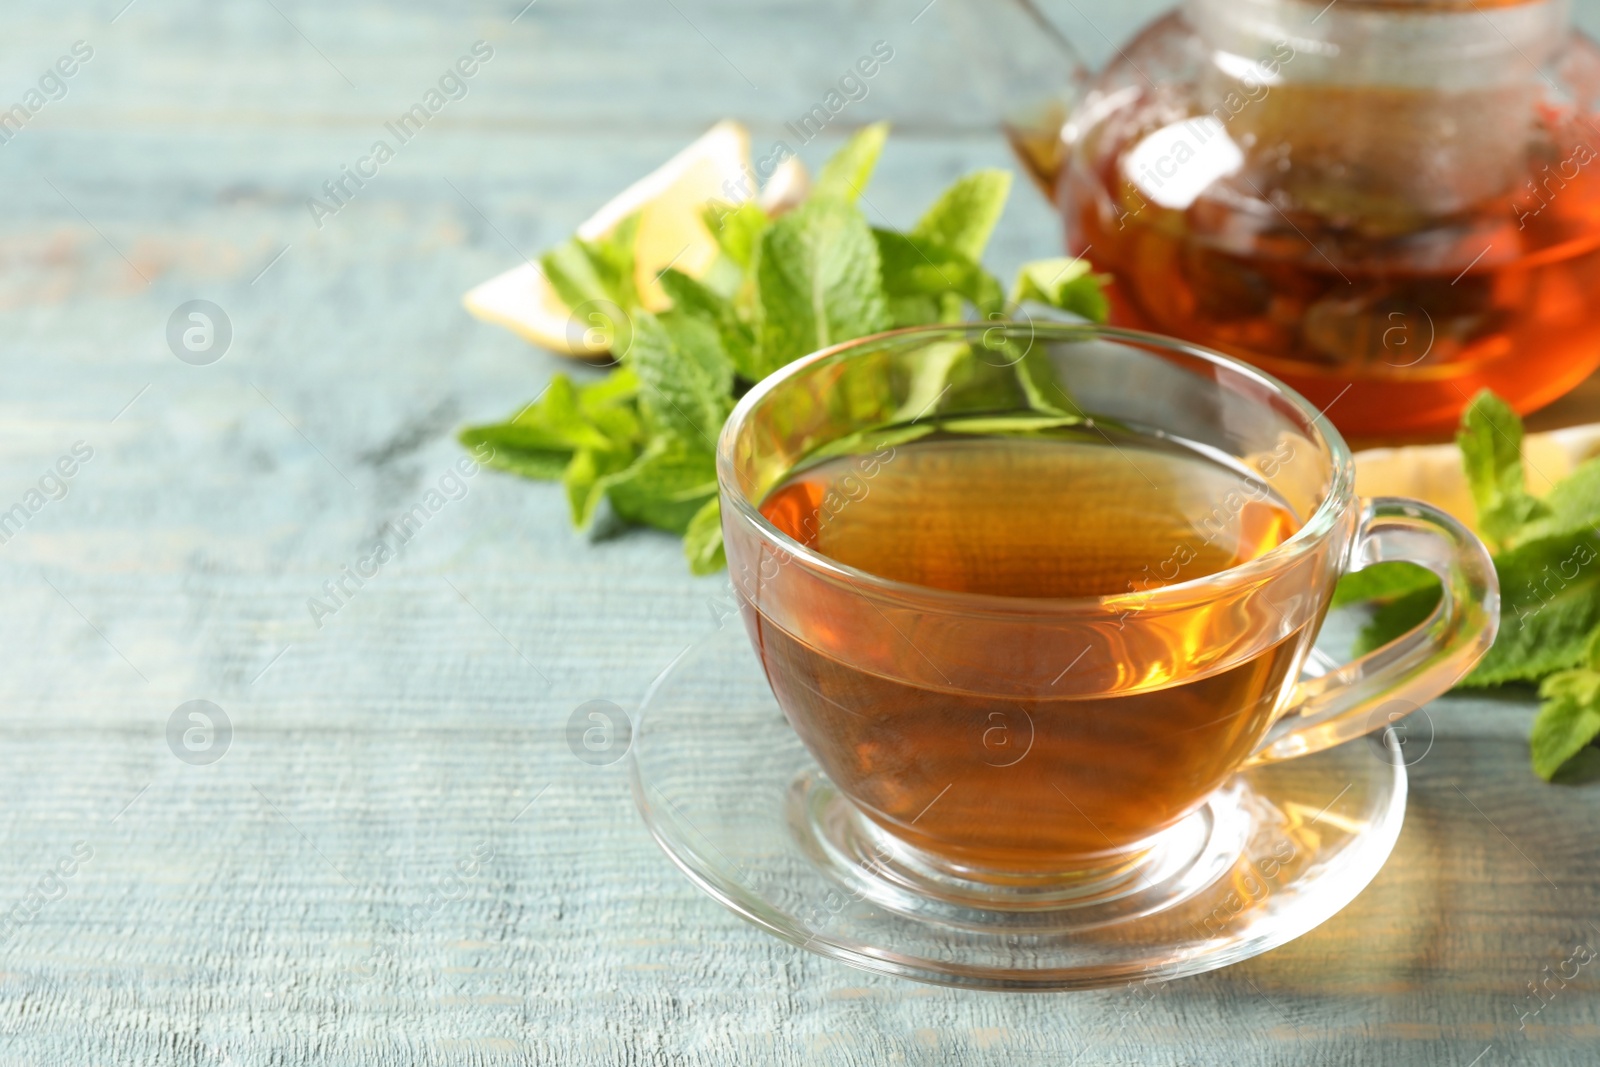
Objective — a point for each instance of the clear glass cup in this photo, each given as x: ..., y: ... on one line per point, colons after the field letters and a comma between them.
x: 1111, y: 808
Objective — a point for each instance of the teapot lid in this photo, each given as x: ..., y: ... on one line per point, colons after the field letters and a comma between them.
x: 1439, y: 44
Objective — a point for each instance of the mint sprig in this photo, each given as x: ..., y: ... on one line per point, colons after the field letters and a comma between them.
x: 1569, y: 717
x: 1547, y: 556
x: 820, y: 282
x: 641, y: 440
x: 1490, y: 440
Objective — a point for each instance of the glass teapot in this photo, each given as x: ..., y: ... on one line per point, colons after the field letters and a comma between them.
x: 1389, y: 204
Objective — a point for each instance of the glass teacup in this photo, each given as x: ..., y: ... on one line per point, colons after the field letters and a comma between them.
x: 1037, y: 749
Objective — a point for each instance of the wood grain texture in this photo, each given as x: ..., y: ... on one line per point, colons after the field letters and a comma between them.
x: 274, y: 907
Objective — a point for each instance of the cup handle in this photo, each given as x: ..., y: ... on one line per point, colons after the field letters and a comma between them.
x: 1415, y: 667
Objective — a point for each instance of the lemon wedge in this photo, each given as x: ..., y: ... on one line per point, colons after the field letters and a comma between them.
x: 670, y: 202
x: 1433, y: 474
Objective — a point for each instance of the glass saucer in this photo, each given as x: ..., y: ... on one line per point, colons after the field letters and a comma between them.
x: 737, y: 802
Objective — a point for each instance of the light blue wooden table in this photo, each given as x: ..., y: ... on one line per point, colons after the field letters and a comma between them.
x: 398, y: 860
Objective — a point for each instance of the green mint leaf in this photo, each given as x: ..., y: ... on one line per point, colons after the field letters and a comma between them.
x: 1064, y: 284
x: 665, y: 486
x: 702, y: 541
x: 617, y: 388
x: 953, y: 309
x: 610, y: 406
x: 1036, y: 373
x: 1573, y: 504
x: 541, y: 439
x: 917, y: 310
x: 918, y: 268
x: 545, y: 465
x: 613, y: 260
x: 733, y: 275
x: 1397, y: 617
x: 1382, y: 581
x: 819, y: 282
x: 931, y: 380
x: 579, y: 479
x: 1490, y: 440
x: 587, y: 476
x: 965, y: 214
x: 737, y: 230
x: 572, y: 274
x: 1549, y: 605
x: 1568, y: 719
x: 846, y: 175
x: 691, y: 298
x: 725, y: 278
x: 642, y: 438
x: 685, y: 377
x: 1010, y: 425
x: 874, y: 440
x: 585, y: 271
x: 553, y: 423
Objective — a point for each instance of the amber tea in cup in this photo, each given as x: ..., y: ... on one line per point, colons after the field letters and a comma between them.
x: 1032, y: 517
x: 1031, y: 595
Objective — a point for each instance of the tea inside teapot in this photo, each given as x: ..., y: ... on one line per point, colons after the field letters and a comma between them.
x: 1388, y: 203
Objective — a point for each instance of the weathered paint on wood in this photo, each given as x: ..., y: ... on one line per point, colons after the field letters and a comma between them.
x: 302, y: 900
